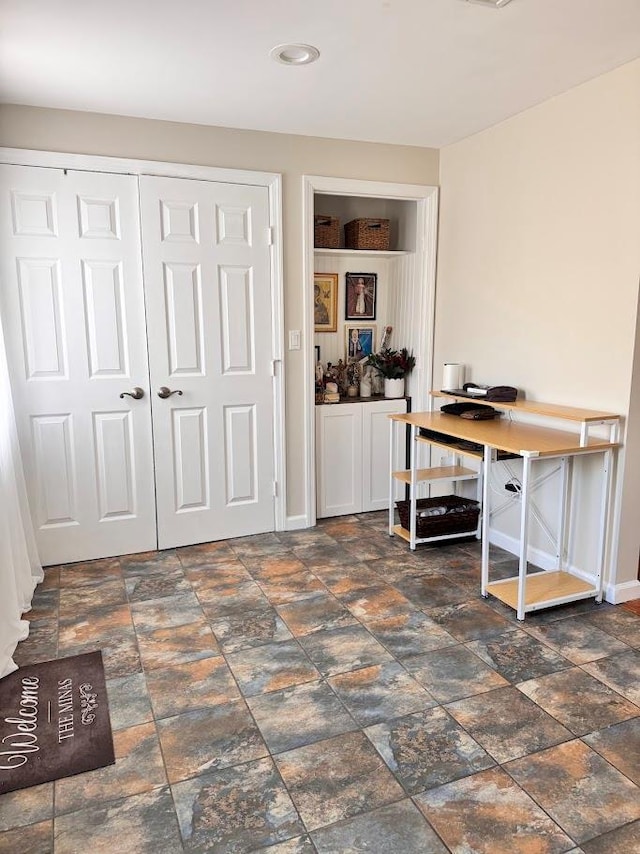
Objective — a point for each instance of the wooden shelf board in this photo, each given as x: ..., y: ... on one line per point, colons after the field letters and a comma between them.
x: 451, y: 448
x: 371, y: 253
x: 540, y: 587
x: 533, y: 407
x: 438, y: 473
x: 402, y: 532
x: 406, y: 535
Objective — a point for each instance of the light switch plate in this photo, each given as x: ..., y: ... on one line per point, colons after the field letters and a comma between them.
x: 294, y: 339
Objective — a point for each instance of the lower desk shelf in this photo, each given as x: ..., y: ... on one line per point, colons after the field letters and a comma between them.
x: 543, y: 590
x: 401, y: 531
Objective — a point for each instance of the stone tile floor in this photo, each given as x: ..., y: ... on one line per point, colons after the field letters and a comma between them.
x: 329, y: 691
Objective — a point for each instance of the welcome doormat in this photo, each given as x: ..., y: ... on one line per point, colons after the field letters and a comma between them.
x: 54, y: 721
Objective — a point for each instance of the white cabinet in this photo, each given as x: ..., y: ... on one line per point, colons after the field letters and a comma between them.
x: 352, y: 456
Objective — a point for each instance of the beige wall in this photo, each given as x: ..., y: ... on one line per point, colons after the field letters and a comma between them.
x: 292, y: 156
x: 539, y: 256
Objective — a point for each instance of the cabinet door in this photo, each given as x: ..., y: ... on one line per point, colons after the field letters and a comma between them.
x: 339, y: 459
x: 375, y: 453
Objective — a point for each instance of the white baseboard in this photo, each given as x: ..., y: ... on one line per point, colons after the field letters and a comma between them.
x: 296, y: 523
x: 613, y: 593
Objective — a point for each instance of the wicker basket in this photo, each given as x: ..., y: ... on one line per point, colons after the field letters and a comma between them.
x: 367, y: 234
x: 326, y: 232
x: 461, y: 516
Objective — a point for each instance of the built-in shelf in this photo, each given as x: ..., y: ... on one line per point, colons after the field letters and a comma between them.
x: 542, y: 588
x: 438, y: 473
x: 362, y: 253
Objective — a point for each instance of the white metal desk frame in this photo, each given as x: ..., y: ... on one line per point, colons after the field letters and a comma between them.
x: 528, y: 486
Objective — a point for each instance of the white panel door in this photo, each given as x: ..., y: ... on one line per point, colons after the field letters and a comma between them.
x: 339, y: 456
x: 376, y: 428
x: 73, y: 316
x: 209, y: 313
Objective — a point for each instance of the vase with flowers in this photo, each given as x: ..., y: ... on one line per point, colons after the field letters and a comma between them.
x: 394, y: 365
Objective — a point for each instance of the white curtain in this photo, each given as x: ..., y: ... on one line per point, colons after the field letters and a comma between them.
x: 20, y: 569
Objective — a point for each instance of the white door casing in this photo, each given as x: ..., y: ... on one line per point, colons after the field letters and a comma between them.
x: 72, y: 302
x: 209, y: 305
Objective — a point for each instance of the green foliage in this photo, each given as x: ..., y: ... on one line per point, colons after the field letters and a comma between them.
x: 393, y: 364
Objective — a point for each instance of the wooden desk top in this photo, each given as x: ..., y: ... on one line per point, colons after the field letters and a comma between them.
x: 533, y: 407
x: 527, y: 440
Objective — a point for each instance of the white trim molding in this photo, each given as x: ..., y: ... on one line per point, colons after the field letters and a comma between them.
x: 273, y: 182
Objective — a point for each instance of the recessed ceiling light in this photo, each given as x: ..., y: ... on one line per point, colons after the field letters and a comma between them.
x: 495, y: 3
x: 294, y: 54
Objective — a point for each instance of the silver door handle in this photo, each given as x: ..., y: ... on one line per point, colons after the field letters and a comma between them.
x: 165, y: 392
x: 136, y: 394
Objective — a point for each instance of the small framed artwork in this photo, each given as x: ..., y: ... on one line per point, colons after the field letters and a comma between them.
x: 325, y: 302
x: 360, y: 293
x: 317, y: 353
x: 359, y: 342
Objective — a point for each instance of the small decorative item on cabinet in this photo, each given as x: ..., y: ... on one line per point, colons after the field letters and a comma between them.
x: 326, y: 232
x: 394, y: 365
x: 367, y: 234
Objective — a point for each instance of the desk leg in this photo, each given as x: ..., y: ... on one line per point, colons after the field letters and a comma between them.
x: 524, y: 535
x: 562, y: 513
x: 413, y: 522
x: 489, y: 454
x: 604, y: 515
x: 392, y: 425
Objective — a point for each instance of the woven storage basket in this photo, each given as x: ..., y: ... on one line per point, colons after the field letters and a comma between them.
x: 326, y: 232
x: 461, y: 516
x: 367, y: 234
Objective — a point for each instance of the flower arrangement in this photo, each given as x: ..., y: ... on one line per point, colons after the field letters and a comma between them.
x: 393, y: 364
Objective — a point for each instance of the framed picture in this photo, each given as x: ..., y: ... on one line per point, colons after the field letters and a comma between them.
x: 325, y: 302
x: 317, y: 353
x: 359, y: 342
x: 360, y: 290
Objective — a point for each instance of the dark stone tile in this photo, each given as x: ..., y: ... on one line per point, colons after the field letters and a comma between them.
x: 410, y: 633
x: 579, y: 790
x: 319, y: 612
x: 318, y: 536
x: 235, y: 810
x: 246, y: 629
x: 44, y: 605
x: 431, y: 591
x: 210, y: 581
x: 368, y: 547
x: 51, y: 580
x: 258, y: 545
x: 620, y: 745
x: 235, y: 599
x: 618, y: 622
x: 90, y: 572
x: 170, y: 583
x: 326, y: 787
x: 299, y: 845
x: 577, y: 639
x: 82, y: 600
x: 129, y: 703
x: 336, y: 651
x: 271, y: 667
x: 206, y: 554
x: 395, y: 829
x: 507, y: 724
x: 426, y: 749
x: 41, y: 645
x: 577, y: 700
x: 381, y: 692
x: 343, y: 579
x: 322, y: 555
x: 486, y: 813
x: 138, y: 768
x: 619, y: 672
x: 26, y: 806
x: 102, y: 624
x: 35, y: 839
x: 149, y: 563
x: 274, y: 569
x: 453, y: 673
x: 299, y: 715
x: 376, y: 602
x: 302, y: 585
x: 624, y: 840
x: 166, y: 612
x: 119, y: 653
x: 517, y: 656
x: 142, y: 824
x: 209, y: 739
x: 176, y: 644
x: 195, y: 685
x: 470, y: 620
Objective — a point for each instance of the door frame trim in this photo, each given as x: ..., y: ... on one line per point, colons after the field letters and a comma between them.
x: 426, y: 197
x: 273, y: 182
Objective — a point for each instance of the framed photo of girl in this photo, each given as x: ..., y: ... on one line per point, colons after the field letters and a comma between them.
x: 325, y: 302
x: 359, y: 342
x: 360, y: 293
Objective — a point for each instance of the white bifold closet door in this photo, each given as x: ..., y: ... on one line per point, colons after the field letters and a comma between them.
x: 72, y: 299
x: 110, y: 474
x: 209, y: 319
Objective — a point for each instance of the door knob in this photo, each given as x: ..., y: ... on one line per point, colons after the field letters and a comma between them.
x: 136, y: 394
x: 165, y: 392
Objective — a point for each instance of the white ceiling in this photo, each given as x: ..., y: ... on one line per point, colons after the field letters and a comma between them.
x: 415, y: 72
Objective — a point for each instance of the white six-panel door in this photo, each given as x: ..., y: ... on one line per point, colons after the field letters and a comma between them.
x: 73, y: 315
x: 209, y: 318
